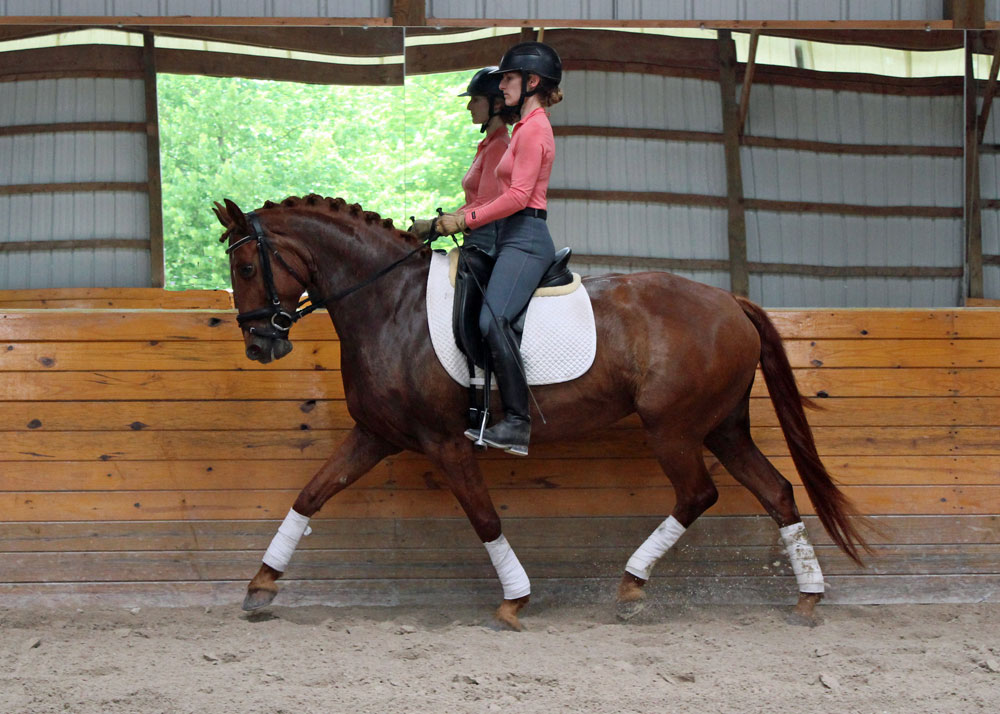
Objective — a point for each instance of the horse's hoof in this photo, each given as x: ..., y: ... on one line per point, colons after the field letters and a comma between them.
x: 631, y: 598
x: 804, y: 612
x: 506, y: 615
x: 258, y: 598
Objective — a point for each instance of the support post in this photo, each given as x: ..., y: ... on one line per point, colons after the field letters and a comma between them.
x: 154, y: 191
x: 748, y: 79
x: 972, y: 216
x: 966, y: 14
x: 739, y: 279
x: 412, y: 13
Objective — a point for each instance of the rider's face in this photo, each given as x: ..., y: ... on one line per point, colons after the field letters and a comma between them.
x: 479, y: 108
x: 510, y: 85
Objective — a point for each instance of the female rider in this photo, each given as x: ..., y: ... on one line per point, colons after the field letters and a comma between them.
x: 531, y: 74
x: 487, y: 108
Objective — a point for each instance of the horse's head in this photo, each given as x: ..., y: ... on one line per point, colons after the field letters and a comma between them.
x: 267, y: 283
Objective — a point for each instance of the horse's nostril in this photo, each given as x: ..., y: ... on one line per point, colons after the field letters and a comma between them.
x: 253, y: 351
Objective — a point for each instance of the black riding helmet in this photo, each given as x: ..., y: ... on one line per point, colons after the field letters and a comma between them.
x: 485, y: 83
x: 535, y: 57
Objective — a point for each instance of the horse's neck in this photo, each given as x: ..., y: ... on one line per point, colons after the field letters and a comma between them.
x: 360, y: 314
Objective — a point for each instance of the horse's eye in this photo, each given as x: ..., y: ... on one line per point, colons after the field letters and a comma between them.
x: 247, y: 270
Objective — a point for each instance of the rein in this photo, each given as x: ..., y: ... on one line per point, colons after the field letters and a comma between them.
x: 282, y: 320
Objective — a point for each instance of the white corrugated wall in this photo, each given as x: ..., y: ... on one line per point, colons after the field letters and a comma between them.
x: 73, y: 157
x: 802, y: 10
x: 874, y: 180
x: 641, y: 229
x: 201, y: 8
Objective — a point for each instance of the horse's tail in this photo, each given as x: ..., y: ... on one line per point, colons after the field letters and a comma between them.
x: 834, y: 509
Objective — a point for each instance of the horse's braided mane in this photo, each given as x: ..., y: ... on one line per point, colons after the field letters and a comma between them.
x: 340, y: 206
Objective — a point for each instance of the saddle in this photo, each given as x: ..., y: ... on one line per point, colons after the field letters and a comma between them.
x: 471, y: 276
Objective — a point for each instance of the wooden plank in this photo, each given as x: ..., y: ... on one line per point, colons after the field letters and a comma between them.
x: 170, y: 386
x: 452, y: 562
x: 132, y: 325
x: 195, y: 20
x: 201, y: 415
x: 225, y: 64
x: 887, y: 411
x: 82, y: 186
x: 73, y: 244
x: 885, y: 382
x: 412, y: 472
x: 829, y: 147
x: 140, y: 445
x: 432, y: 503
x: 154, y: 192
x: 81, y: 126
x: 893, y: 353
x: 121, y: 298
x: 173, y: 416
x: 156, y: 356
x: 546, y: 592
x: 108, y: 60
x: 342, y: 41
x: 886, y: 323
x: 736, y: 227
x: 413, y: 533
x: 853, y: 271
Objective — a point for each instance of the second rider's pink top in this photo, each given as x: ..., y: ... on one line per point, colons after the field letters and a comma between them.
x: 480, y: 182
x: 523, y: 172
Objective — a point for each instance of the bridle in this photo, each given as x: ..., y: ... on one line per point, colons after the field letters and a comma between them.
x: 281, y: 320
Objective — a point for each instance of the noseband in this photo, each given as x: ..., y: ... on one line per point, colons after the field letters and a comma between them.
x: 281, y: 320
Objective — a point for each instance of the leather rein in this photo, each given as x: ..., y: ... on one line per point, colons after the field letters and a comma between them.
x: 281, y: 320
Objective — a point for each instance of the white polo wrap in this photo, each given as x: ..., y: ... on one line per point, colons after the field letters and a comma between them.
x: 286, y: 540
x: 804, y: 564
x: 659, y: 542
x: 512, y: 576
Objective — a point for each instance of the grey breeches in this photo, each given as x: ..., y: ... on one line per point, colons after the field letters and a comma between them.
x: 524, y: 252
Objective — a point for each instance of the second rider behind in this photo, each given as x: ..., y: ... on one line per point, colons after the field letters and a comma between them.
x: 531, y: 74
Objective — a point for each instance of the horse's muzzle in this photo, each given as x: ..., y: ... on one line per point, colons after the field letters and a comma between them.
x: 267, y: 349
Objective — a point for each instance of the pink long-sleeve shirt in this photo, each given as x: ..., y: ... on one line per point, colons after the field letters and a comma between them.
x: 480, y: 182
x: 523, y: 172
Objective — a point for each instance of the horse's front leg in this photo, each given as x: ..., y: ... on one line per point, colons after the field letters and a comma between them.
x: 355, y: 457
x: 458, y: 462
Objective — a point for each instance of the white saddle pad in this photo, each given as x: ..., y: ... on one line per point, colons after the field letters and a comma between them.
x: 559, y: 341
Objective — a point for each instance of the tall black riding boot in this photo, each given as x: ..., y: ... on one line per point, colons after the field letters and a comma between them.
x: 513, y: 433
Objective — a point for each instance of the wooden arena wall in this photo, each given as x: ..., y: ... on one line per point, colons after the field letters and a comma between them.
x: 146, y: 460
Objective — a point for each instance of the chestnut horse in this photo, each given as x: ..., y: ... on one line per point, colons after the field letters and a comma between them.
x: 681, y: 354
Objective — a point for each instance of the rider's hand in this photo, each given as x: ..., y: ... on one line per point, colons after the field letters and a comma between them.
x: 450, y: 223
x: 420, y: 228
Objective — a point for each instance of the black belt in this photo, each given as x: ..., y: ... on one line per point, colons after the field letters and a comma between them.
x: 533, y: 213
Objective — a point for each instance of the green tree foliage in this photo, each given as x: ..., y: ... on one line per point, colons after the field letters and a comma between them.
x: 399, y: 151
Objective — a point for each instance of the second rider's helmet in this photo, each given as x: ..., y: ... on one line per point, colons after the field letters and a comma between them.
x: 486, y: 84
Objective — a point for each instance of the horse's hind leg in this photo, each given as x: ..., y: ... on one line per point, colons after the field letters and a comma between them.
x: 695, y: 493
x: 734, y: 447
x: 355, y: 457
x: 458, y: 462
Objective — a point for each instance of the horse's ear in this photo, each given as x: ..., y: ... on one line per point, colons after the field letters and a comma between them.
x: 220, y: 213
x: 236, y: 217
